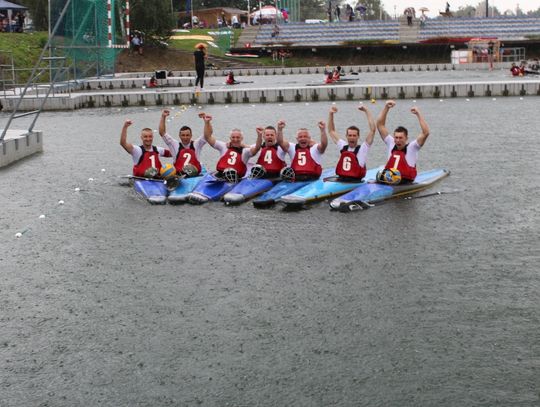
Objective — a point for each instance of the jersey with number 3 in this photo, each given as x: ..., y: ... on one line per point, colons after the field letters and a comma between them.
x: 303, y: 163
x: 270, y: 160
x: 185, y: 156
x: 232, y: 158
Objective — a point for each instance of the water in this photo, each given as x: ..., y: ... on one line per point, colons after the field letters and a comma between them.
x: 435, y: 301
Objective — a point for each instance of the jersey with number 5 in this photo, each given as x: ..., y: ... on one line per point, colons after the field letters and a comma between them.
x: 303, y: 163
x: 397, y: 161
x: 270, y: 160
x: 232, y: 159
x: 185, y: 156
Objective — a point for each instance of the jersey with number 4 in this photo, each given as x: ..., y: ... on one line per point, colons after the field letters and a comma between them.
x: 403, y: 160
x: 271, y: 158
x: 303, y: 162
x: 144, y: 159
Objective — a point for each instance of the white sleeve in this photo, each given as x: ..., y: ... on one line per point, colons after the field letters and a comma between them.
x: 363, y: 153
x: 412, y: 153
x: 315, y: 153
x: 292, y: 150
x: 281, y: 153
x: 340, y: 144
x: 173, y: 145
x: 199, y: 144
x: 161, y: 151
x: 246, y: 153
x: 136, y: 154
x: 221, y: 146
x: 389, y: 141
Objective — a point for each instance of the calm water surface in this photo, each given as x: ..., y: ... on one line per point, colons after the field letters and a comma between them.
x: 426, y: 302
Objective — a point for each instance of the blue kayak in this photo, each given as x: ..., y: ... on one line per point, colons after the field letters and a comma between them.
x: 247, y: 189
x: 282, y: 188
x: 367, y: 194
x: 209, y: 188
x: 323, y: 189
x: 154, y: 191
x: 180, y: 194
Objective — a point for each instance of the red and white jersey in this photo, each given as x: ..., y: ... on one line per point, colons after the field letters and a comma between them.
x: 306, y: 161
x: 232, y: 157
x: 352, y: 162
x: 402, y: 160
x: 185, y: 154
x: 144, y: 159
x: 272, y: 158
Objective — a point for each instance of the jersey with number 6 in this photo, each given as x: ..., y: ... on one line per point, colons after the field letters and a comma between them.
x: 349, y: 165
x: 303, y: 163
x: 270, y: 159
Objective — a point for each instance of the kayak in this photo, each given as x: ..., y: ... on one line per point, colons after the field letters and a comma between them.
x: 180, y: 194
x: 153, y: 190
x: 369, y: 193
x: 247, y: 189
x: 209, y: 188
x: 323, y: 189
x: 282, y: 188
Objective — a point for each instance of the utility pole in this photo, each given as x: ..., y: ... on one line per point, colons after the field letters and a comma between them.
x: 487, y: 8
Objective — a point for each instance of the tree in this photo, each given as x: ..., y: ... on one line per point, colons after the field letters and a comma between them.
x: 374, y: 9
x: 156, y: 21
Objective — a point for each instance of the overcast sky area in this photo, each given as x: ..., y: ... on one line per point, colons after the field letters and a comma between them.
x: 435, y: 6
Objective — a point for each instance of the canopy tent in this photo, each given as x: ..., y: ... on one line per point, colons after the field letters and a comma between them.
x: 6, y: 5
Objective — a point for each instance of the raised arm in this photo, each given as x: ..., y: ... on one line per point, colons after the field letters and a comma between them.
x: 371, y: 124
x: 331, y: 126
x: 423, y: 125
x: 255, y: 149
x: 208, y: 130
x: 123, y: 137
x: 162, y: 126
x: 284, y: 144
x: 324, y: 139
x: 381, y: 120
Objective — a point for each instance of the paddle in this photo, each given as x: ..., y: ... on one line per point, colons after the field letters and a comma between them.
x: 361, y: 205
x: 171, y: 182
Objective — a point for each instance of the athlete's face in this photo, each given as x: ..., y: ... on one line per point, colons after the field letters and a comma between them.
x: 269, y: 137
x: 400, y: 139
x: 352, y: 137
x: 303, y: 138
x: 147, y: 138
x: 185, y: 136
x: 236, y: 139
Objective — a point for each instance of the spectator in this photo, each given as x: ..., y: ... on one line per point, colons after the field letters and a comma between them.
x: 275, y: 31
x: 447, y: 10
x: 422, y: 20
x: 408, y: 14
x: 234, y: 21
x: 337, y: 13
x: 136, y: 43
x: 285, y: 15
x: 153, y: 82
x: 329, y: 11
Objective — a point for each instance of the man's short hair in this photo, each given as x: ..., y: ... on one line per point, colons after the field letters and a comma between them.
x: 147, y: 129
x: 238, y: 130
x: 353, y: 128
x: 183, y: 128
x: 402, y: 129
x: 270, y: 128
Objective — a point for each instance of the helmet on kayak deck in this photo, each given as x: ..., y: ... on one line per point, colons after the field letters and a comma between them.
x: 257, y: 171
x: 287, y: 174
x: 390, y: 176
x: 190, y: 170
x: 151, y: 172
x: 230, y: 175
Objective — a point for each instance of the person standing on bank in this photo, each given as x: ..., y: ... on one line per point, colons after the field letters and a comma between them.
x: 200, y: 56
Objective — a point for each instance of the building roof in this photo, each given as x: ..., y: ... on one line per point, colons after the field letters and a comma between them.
x: 6, y: 5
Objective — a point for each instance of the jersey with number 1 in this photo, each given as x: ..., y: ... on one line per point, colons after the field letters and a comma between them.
x: 144, y: 159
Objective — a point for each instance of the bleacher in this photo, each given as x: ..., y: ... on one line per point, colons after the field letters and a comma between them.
x: 343, y: 33
x: 302, y: 34
x: 504, y: 28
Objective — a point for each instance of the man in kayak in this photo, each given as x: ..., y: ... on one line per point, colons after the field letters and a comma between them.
x: 307, y: 155
x: 402, y: 155
x: 146, y: 156
x: 272, y: 157
x: 352, y: 161
x: 186, y: 151
x: 234, y: 155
